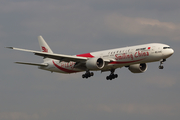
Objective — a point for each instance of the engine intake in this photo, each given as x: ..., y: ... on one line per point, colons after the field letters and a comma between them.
x: 138, y: 68
x: 95, y: 63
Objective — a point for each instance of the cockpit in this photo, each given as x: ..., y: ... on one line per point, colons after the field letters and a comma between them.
x: 166, y: 47
x: 167, y: 51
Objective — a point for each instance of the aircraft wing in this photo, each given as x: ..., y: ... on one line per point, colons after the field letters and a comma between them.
x: 66, y: 58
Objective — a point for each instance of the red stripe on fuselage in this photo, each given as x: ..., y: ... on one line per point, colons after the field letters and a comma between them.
x: 63, y: 69
x: 88, y: 55
x: 125, y: 62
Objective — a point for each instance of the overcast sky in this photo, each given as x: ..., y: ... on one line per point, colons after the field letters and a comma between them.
x: 80, y: 26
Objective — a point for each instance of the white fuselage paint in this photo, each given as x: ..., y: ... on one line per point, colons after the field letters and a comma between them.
x: 120, y: 57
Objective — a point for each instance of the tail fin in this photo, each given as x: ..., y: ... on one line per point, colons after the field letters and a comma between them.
x: 44, y: 47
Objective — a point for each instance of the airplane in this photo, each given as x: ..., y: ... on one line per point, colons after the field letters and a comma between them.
x: 135, y: 58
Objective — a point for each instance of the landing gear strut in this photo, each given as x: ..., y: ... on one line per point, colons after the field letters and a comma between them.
x: 112, y: 75
x: 161, y: 62
x: 87, y: 74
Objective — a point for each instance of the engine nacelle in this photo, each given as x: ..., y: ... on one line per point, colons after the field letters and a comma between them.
x: 95, y: 63
x: 138, y: 68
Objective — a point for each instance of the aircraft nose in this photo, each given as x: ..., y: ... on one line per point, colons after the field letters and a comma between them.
x: 170, y: 52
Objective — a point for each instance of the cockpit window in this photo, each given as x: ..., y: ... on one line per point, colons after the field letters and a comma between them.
x: 166, y: 47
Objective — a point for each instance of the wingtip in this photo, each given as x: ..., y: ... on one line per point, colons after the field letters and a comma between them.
x: 39, y: 36
x: 9, y: 47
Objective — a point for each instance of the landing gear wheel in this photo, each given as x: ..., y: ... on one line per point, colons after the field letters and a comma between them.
x: 116, y: 75
x: 161, y: 67
x: 87, y: 74
x: 92, y: 74
x: 112, y: 75
x: 161, y: 62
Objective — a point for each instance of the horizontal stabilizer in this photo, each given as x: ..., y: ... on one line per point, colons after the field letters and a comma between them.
x: 35, y: 64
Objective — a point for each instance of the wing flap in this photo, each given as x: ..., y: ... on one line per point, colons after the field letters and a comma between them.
x: 66, y: 58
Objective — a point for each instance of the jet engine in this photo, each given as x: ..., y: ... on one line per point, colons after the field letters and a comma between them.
x: 138, y: 68
x: 95, y: 63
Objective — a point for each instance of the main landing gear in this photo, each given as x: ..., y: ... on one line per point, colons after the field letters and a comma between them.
x: 112, y: 75
x: 87, y: 74
x: 161, y: 62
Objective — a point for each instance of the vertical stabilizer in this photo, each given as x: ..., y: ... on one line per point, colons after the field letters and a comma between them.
x: 44, y: 47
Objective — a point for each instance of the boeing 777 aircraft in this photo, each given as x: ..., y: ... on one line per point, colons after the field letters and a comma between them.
x: 132, y: 57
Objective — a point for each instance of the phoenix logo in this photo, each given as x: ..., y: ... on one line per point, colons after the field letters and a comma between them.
x: 44, y: 49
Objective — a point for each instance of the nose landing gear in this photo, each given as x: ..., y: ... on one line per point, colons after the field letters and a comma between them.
x: 161, y: 62
x: 112, y: 75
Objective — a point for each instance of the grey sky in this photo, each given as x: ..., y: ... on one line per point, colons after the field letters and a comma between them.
x: 80, y: 26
